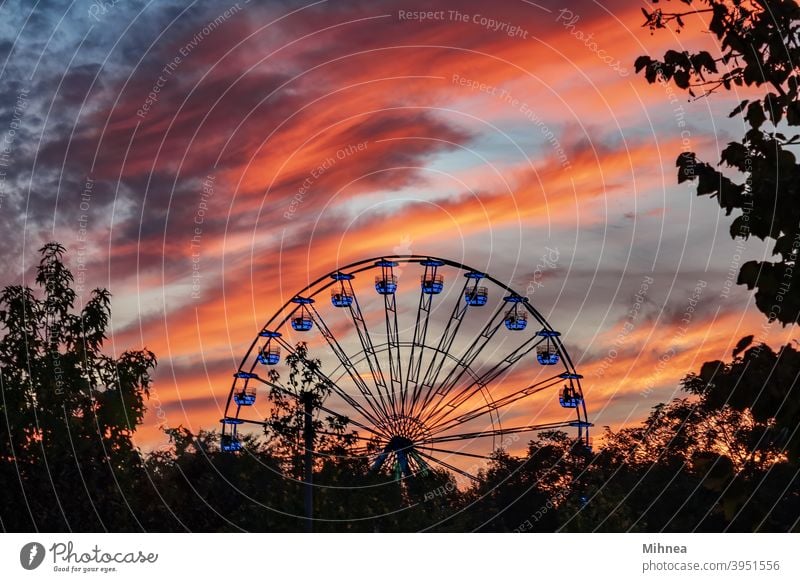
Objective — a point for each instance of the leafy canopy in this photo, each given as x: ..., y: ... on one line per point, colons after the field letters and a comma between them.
x: 760, y: 50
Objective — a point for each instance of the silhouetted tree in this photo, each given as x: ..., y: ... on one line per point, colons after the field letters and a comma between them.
x: 68, y: 410
x: 760, y: 50
x: 695, y: 464
x: 759, y: 390
x: 202, y: 489
x: 284, y: 430
x: 739, y: 435
x: 526, y: 493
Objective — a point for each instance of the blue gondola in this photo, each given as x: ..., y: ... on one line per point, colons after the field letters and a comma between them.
x: 516, y: 321
x: 432, y: 284
x: 386, y: 284
x: 269, y: 355
x: 302, y: 322
x: 245, y: 396
x: 341, y: 298
x: 476, y: 296
x: 569, y: 398
x: 230, y: 443
x: 547, y: 355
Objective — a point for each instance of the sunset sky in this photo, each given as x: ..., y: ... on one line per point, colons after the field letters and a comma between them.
x: 206, y: 160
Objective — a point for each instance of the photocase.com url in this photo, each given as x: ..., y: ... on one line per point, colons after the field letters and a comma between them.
x: 718, y: 566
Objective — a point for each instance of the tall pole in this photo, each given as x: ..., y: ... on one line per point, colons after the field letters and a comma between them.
x: 308, y: 462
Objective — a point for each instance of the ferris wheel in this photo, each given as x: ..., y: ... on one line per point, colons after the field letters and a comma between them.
x: 432, y: 363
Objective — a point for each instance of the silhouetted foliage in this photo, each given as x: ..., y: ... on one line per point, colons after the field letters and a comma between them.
x: 737, y: 438
x: 760, y: 43
x: 68, y: 410
x: 285, y: 423
x: 759, y: 389
x: 686, y: 468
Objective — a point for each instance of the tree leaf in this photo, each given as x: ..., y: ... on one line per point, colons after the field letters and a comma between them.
x: 739, y: 108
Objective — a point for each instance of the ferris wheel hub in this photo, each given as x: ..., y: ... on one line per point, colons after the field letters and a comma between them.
x: 407, y: 427
x: 399, y: 443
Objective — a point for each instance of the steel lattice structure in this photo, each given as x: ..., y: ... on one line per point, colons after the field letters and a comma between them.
x: 422, y: 399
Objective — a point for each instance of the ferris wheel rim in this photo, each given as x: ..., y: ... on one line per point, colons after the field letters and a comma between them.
x: 307, y: 294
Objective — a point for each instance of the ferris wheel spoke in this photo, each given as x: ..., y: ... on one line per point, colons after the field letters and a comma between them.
x: 372, y: 401
x: 349, y: 420
x: 476, y: 386
x: 472, y: 352
x: 450, y: 467
x: 393, y: 339
x: 500, y: 432
x: 460, y: 453
x: 422, y: 466
x: 367, y: 346
x: 443, y: 424
x: 352, y: 436
x: 443, y: 348
x: 338, y: 390
x: 341, y: 417
x: 429, y: 277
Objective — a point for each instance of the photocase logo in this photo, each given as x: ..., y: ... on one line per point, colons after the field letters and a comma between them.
x: 31, y: 555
